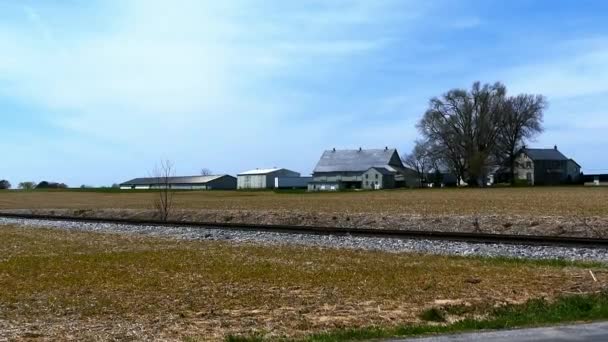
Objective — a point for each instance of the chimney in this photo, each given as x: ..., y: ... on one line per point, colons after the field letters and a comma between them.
x: 386, y: 148
x: 555, y: 147
x: 334, y: 149
x: 360, y: 149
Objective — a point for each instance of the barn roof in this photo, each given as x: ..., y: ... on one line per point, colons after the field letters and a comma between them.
x: 173, y: 180
x: 357, y: 160
x: 261, y: 171
x: 544, y: 154
x: 384, y: 170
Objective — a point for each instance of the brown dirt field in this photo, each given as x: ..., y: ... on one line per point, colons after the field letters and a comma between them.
x: 563, y: 211
x: 58, y: 285
x: 549, y: 201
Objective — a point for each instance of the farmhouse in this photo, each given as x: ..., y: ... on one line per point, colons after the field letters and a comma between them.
x: 266, y: 178
x: 545, y: 167
x: 360, y: 169
x: 218, y: 182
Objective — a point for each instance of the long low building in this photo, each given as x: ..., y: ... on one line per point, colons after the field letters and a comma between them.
x: 217, y: 182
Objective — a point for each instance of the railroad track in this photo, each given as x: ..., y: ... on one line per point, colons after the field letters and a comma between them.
x: 337, y: 231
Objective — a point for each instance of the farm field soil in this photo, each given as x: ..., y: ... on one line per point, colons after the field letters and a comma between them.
x: 566, y: 211
x: 57, y: 285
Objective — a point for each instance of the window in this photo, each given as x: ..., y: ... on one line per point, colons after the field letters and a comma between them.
x: 376, y: 178
x: 366, y: 176
x: 529, y: 165
x: 366, y: 182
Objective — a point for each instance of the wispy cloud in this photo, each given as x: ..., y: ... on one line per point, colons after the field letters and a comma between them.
x: 214, y: 83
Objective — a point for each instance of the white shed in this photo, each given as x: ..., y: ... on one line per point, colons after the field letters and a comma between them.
x: 262, y: 178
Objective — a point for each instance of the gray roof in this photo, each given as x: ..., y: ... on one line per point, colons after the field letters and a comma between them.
x: 357, y: 160
x: 544, y: 154
x: 383, y: 170
x: 262, y: 171
x: 174, y: 180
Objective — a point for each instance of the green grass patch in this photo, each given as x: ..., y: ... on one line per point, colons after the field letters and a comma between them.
x: 535, y: 312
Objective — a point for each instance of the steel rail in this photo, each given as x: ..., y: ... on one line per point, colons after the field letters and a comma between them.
x: 487, y: 238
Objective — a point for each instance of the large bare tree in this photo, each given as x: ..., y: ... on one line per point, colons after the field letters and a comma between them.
x: 163, y: 202
x: 522, y: 120
x: 206, y: 172
x: 465, y: 125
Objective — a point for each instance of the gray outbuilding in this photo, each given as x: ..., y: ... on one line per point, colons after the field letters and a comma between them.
x: 217, y: 182
x: 262, y: 178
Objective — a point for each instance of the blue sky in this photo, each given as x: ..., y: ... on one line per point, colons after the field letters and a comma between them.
x: 96, y: 92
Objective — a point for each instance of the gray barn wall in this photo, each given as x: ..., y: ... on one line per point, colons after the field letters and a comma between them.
x: 223, y: 183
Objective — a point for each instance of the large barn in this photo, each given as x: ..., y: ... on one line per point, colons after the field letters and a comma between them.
x: 263, y: 178
x: 217, y: 182
x: 360, y: 169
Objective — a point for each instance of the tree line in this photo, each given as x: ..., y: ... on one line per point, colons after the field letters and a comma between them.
x: 473, y: 132
x: 6, y: 185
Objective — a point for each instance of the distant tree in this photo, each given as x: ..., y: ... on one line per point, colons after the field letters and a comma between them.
x: 27, y: 185
x: 420, y: 160
x: 163, y: 203
x: 206, y: 172
x: 4, y: 184
x: 43, y: 185
x: 522, y: 120
x: 115, y: 186
x: 51, y: 185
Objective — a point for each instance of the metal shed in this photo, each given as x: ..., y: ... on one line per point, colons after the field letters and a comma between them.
x: 262, y: 178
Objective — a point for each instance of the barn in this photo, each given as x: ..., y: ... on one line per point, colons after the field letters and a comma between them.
x: 217, y: 182
x: 360, y: 169
x: 263, y: 178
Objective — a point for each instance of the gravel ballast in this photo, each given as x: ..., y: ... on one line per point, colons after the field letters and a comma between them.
x: 329, y: 241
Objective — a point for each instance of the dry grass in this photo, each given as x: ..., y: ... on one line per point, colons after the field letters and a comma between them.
x: 562, y: 201
x: 73, y: 285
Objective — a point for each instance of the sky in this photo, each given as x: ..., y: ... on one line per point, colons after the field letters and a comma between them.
x: 97, y: 92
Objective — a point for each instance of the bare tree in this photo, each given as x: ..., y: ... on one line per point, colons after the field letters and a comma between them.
x: 464, y: 126
x: 522, y: 120
x: 206, y: 172
x: 163, y: 203
x: 420, y: 160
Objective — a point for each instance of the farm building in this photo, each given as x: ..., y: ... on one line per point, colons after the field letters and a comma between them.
x: 291, y: 182
x: 360, y: 169
x: 545, y: 167
x: 596, y: 180
x: 263, y: 178
x: 218, y: 182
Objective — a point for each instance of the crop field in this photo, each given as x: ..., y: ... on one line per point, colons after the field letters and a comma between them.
x: 559, y: 211
x: 551, y: 201
x: 57, y: 285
